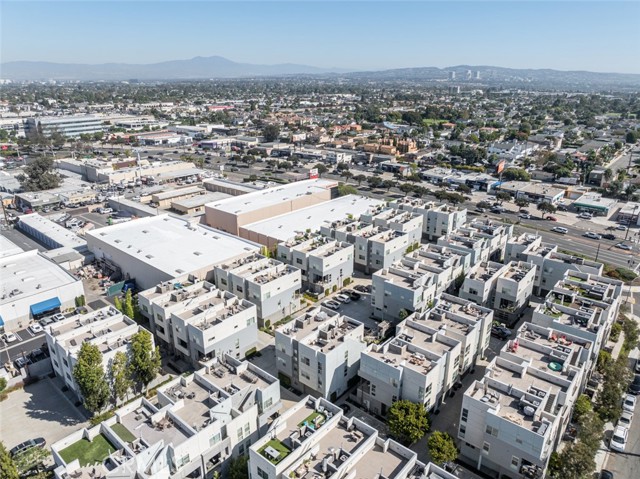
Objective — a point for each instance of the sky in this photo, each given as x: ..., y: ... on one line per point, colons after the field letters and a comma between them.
x: 600, y: 36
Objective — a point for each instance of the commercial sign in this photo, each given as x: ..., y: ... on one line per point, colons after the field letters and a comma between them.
x: 313, y: 173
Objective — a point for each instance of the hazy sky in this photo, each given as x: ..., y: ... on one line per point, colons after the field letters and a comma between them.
x: 564, y: 35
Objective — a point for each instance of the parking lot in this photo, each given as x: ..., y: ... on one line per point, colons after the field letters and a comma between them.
x: 39, y: 410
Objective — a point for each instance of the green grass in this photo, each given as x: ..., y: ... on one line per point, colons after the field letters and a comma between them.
x: 123, y: 433
x: 278, y: 446
x: 311, y: 417
x: 432, y: 121
x: 88, y: 452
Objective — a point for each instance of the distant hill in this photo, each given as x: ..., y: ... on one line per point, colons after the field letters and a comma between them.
x: 216, y: 67
x: 197, y: 68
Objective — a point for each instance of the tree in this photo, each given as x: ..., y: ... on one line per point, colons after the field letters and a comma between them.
x: 503, y: 196
x: 521, y: 202
x: 321, y: 167
x: 145, y: 359
x: 118, y: 304
x: 577, y: 462
x: 374, y: 181
x: 442, y: 448
x: 608, y: 174
x: 516, y: 174
x: 3, y: 384
x: 346, y: 174
x: 407, y: 421
x: 90, y: 377
x: 483, y: 205
x: 360, y: 178
x: 127, y: 307
x: 30, y: 460
x: 388, y: 184
x: 582, y: 407
x: 271, y: 133
x: 39, y: 175
x: 119, y: 377
x: 546, y: 207
x: 631, y: 137
x: 8, y: 469
x: 406, y: 188
x: 464, y: 189
x: 344, y: 190
x: 239, y: 468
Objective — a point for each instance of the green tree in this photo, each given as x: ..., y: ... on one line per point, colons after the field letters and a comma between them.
x: 119, y: 377
x: 577, y: 461
x: 239, y: 468
x: 145, y: 360
x: 604, y: 361
x: 406, y: 188
x: 608, y: 174
x: 3, y: 384
x: 503, y: 196
x: 118, y: 304
x: 359, y: 178
x: 39, y: 175
x: 346, y: 174
x: 546, y: 207
x: 271, y: 133
x: 128, y: 308
x: 516, y: 174
x: 463, y: 189
x: 483, y: 205
x: 521, y: 202
x: 90, y: 377
x: 8, y: 469
x: 407, y: 421
x: 582, y: 407
x: 374, y: 181
x: 388, y: 184
x: 442, y: 448
x: 321, y: 167
x: 31, y: 460
x: 631, y: 137
x: 344, y: 190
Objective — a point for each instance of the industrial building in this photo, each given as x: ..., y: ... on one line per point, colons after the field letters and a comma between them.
x: 71, y: 126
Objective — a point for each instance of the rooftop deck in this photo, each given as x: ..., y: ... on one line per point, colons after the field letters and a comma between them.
x: 320, y: 328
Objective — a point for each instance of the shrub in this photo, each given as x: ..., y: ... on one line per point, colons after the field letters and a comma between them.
x: 346, y: 282
x: 250, y: 353
x: 616, y: 329
x: 335, y: 288
x: 98, y: 418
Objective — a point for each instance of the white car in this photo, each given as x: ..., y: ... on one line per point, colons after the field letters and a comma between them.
x: 331, y: 304
x: 525, y: 216
x: 624, y: 246
x: 621, y: 227
x: 560, y: 229
x: 626, y: 418
x: 35, y: 328
x: 629, y: 403
x: 592, y: 235
x: 10, y: 338
x: 343, y: 298
x: 585, y: 216
x: 619, y: 439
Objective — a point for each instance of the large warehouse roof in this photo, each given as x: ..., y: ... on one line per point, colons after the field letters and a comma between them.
x: 172, y: 245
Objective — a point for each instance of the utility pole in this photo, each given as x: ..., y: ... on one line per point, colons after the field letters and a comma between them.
x: 597, y: 251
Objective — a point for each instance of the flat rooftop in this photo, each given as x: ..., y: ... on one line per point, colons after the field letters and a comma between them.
x: 398, y: 353
x: 199, y: 200
x: 8, y: 248
x: 289, y: 225
x: 30, y: 273
x: 233, y: 379
x: 320, y: 328
x: 177, y: 192
x: 139, y: 423
x: 160, y: 242
x: 259, y: 269
x: 258, y: 200
x: 53, y: 231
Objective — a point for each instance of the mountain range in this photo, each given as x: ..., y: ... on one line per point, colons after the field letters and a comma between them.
x: 216, y: 67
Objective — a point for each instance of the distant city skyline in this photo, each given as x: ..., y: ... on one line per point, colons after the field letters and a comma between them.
x: 594, y: 36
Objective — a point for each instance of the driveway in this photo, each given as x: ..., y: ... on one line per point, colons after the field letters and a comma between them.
x: 39, y: 410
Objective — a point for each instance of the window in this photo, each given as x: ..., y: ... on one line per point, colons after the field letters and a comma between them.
x: 237, y: 343
x: 183, y: 461
x: 492, y: 430
x: 241, y: 449
x: 223, y: 281
x: 213, y: 440
x: 515, y: 462
x: 247, y: 429
x: 373, y: 389
x: 298, y: 260
x: 485, y: 447
x: 306, y: 361
x: 267, y: 404
x: 421, y: 393
x: 240, y: 435
x: 465, y: 414
x: 239, y: 289
x: 159, y: 329
x: 262, y: 474
x: 64, y: 361
x: 463, y: 430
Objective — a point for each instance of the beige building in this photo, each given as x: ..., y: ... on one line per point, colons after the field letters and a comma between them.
x: 232, y: 213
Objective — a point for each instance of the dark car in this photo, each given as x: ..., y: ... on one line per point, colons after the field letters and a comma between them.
x: 37, y: 442
x: 353, y: 295
x: 634, y: 387
x: 360, y: 287
x: 609, y: 236
x: 604, y: 474
x: 500, y: 332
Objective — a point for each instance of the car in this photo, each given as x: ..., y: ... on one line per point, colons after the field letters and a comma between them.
x: 609, y: 236
x: 331, y: 304
x: 35, y: 328
x: 552, y: 218
x: 500, y: 332
x: 37, y: 442
x: 136, y: 198
x: 498, y: 209
x: 636, y: 367
x: 585, y: 216
x: 522, y: 210
x: 353, y: 295
x: 634, y: 387
x: 621, y: 227
x: 343, y: 298
x: 21, y: 362
x: 592, y: 235
x: 619, y: 439
x: 9, y: 338
x: 57, y: 317
x: 362, y: 288
x: 525, y: 216
x: 626, y: 418
x: 629, y: 403
x: 624, y: 246
x: 481, y: 210
x: 44, y: 322
x: 560, y: 229
x: 105, y: 211
x: 604, y: 474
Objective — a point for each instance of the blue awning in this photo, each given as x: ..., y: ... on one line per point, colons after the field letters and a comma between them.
x: 1, y: 322
x: 43, y: 306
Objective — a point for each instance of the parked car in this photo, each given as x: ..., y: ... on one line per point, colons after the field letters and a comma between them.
x: 637, y: 366
x: 105, y: 211
x: 44, y: 322
x: 592, y: 235
x: 35, y: 328
x: 21, y: 362
x: 362, y: 288
x: 525, y: 216
x: 629, y: 403
x: 585, y: 216
x: 57, y: 317
x: 37, y: 442
x: 353, y: 295
x: 560, y: 229
x: 619, y: 439
x: 500, y: 332
x: 626, y: 418
x: 9, y: 338
x: 621, y: 227
x: 331, y: 304
x: 343, y: 298
x: 624, y: 246
x: 609, y: 236
x: 634, y: 387
x: 552, y: 218
x: 604, y: 474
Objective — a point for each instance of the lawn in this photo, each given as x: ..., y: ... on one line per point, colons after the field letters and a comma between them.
x: 278, y: 446
x: 311, y: 417
x: 123, y: 433
x: 88, y: 452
